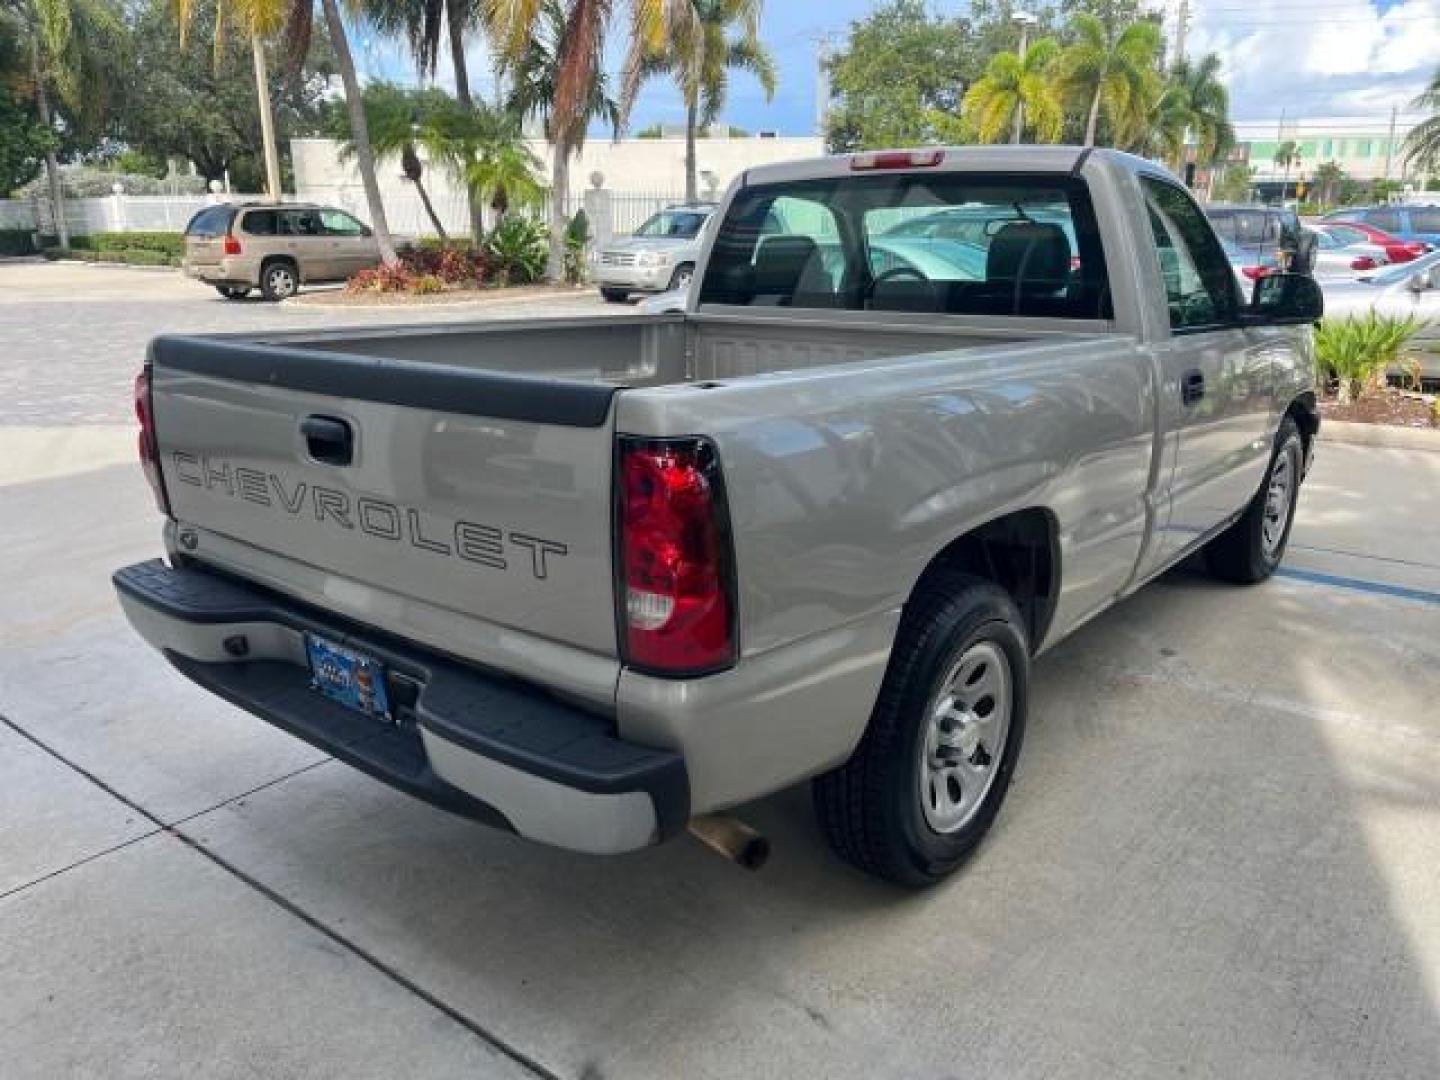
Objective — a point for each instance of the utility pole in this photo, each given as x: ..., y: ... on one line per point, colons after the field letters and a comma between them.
x: 1025, y: 20
x: 1390, y: 141
x: 1182, y: 24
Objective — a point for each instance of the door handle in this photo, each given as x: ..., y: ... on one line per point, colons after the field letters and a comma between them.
x: 328, y: 439
x: 1192, y: 386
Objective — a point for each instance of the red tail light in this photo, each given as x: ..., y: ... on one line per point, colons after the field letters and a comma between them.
x: 896, y: 159
x: 1255, y: 273
x: 149, y: 445
x: 678, y: 611
x: 231, y: 245
x: 1363, y: 262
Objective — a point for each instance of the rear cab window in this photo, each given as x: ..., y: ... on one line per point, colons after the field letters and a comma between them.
x: 943, y: 243
x: 211, y: 222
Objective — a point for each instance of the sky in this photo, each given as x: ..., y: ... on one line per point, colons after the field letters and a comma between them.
x: 1311, y: 58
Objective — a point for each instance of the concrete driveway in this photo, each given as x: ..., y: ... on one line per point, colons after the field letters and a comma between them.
x: 1221, y: 856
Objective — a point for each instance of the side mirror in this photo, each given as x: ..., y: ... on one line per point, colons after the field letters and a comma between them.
x: 1286, y: 300
x: 365, y: 230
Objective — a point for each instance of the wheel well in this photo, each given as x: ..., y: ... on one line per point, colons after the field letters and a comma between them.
x: 1306, y: 412
x: 1020, y: 553
x: 271, y: 260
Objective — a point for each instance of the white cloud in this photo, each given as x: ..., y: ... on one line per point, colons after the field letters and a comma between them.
x: 1325, y: 58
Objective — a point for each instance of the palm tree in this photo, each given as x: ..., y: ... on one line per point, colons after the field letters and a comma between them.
x: 64, y: 43
x: 701, y: 62
x: 419, y: 23
x: 1015, y: 92
x: 1328, y: 180
x: 484, y: 150
x: 1207, y: 104
x: 400, y: 122
x: 1287, y: 155
x: 1114, y: 73
x: 258, y: 20
x: 1422, y: 145
x: 536, y: 74
x: 299, y: 22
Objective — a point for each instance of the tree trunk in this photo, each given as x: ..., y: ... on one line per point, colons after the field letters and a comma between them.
x: 52, y: 167
x: 430, y: 209
x: 559, y: 188
x: 359, y: 131
x: 691, y: 119
x: 456, y: 27
x: 1093, y: 123
x: 267, y: 120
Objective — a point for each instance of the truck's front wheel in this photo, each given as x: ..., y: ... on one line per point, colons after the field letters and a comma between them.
x: 1250, y: 550
x: 932, y: 769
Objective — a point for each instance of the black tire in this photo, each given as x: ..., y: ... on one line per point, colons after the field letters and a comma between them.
x: 681, y: 278
x: 233, y: 292
x: 279, y: 280
x: 870, y: 809
x: 1250, y: 550
x: 615, y: 296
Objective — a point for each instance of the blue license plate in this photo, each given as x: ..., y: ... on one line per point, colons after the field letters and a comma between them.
x: 353, y: 679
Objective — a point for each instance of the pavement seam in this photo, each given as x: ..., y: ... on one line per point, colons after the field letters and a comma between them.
x: 495, y: 1042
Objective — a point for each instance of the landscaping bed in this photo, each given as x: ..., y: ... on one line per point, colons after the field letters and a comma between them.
x: 126, y: 248
x: 1399, y: 408
x: 486, y: 294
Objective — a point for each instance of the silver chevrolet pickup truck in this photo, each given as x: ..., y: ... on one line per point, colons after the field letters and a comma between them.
x: 595, y: 580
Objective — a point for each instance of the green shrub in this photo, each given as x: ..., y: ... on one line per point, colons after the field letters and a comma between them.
x: 577, y: 236
x: 170, y: 243
x: 138, y: 257
x: 517, y: 249
x: 1354, y: 354
x: 17, y: 242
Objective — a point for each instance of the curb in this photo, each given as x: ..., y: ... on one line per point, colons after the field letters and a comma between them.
x: 111, y: 265
x: 301, y: 304
x: 1386, y: 435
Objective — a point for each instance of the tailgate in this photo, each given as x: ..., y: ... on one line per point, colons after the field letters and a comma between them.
x: 471, y: 501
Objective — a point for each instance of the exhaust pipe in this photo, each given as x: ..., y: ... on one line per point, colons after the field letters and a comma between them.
x: 731, y: 838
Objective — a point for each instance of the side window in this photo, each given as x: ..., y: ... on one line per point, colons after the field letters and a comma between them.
x: 339, y: 223
x: 305, y: 223
x: 1199, y: 283
x: 1425, y: 219
x: 260, y: 223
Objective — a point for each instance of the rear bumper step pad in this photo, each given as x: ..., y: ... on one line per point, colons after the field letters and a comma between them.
x: 472, y: 743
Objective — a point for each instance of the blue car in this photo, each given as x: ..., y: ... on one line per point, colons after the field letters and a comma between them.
x: 1402, y: 222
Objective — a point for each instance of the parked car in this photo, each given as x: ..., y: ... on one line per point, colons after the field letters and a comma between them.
x: 1344, y: 253
x: 1250, y: 266
x: 1412, y: 223
x: 593, y: 580
x: 1396, y: 250
x: 275, y: 248
x: 1399, y: 290
x: 659, y: 256
x: 1264, y: 231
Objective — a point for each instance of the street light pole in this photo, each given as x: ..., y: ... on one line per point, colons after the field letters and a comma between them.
x: 1024, y: 20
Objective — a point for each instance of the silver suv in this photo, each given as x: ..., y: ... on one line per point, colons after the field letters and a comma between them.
x: 275, y: 248
x: 659, y: 256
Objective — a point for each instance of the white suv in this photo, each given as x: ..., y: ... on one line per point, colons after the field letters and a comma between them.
x: 657, y: 257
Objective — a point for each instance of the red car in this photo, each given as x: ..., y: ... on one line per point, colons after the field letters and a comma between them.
x: 1396, y: 250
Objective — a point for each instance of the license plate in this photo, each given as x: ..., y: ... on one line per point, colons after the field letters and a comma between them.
x: 353, y: 679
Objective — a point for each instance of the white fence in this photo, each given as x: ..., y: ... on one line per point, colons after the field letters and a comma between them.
x: 404, y: 210
x: 110, y: 213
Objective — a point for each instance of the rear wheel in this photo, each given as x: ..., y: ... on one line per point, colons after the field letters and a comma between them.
x: 615, y: 296
x: 233, y: 292
x: 279, y: 280
x: 1250, y: 550
x: 930, y: 773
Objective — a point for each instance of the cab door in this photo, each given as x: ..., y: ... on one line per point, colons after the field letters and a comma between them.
x: 351, y: 246
x: 1216, y: 396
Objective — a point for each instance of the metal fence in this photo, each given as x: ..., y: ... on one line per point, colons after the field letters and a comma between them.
x: 110, y: 213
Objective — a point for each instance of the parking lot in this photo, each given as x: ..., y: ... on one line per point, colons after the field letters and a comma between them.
x: 1220, y: 858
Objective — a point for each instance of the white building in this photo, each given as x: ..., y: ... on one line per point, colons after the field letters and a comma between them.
x: 642, y: 174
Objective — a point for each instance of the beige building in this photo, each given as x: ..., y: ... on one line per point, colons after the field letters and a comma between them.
x: 1366, y: 148
x: 642, y: 175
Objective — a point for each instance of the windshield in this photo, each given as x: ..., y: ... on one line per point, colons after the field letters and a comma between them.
x: 1398, y: 272
x: 948, y: 243
x: 676, y: 224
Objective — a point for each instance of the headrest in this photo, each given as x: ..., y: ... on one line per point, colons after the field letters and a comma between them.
x: 779, y: 263
x: 1031, y: 256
